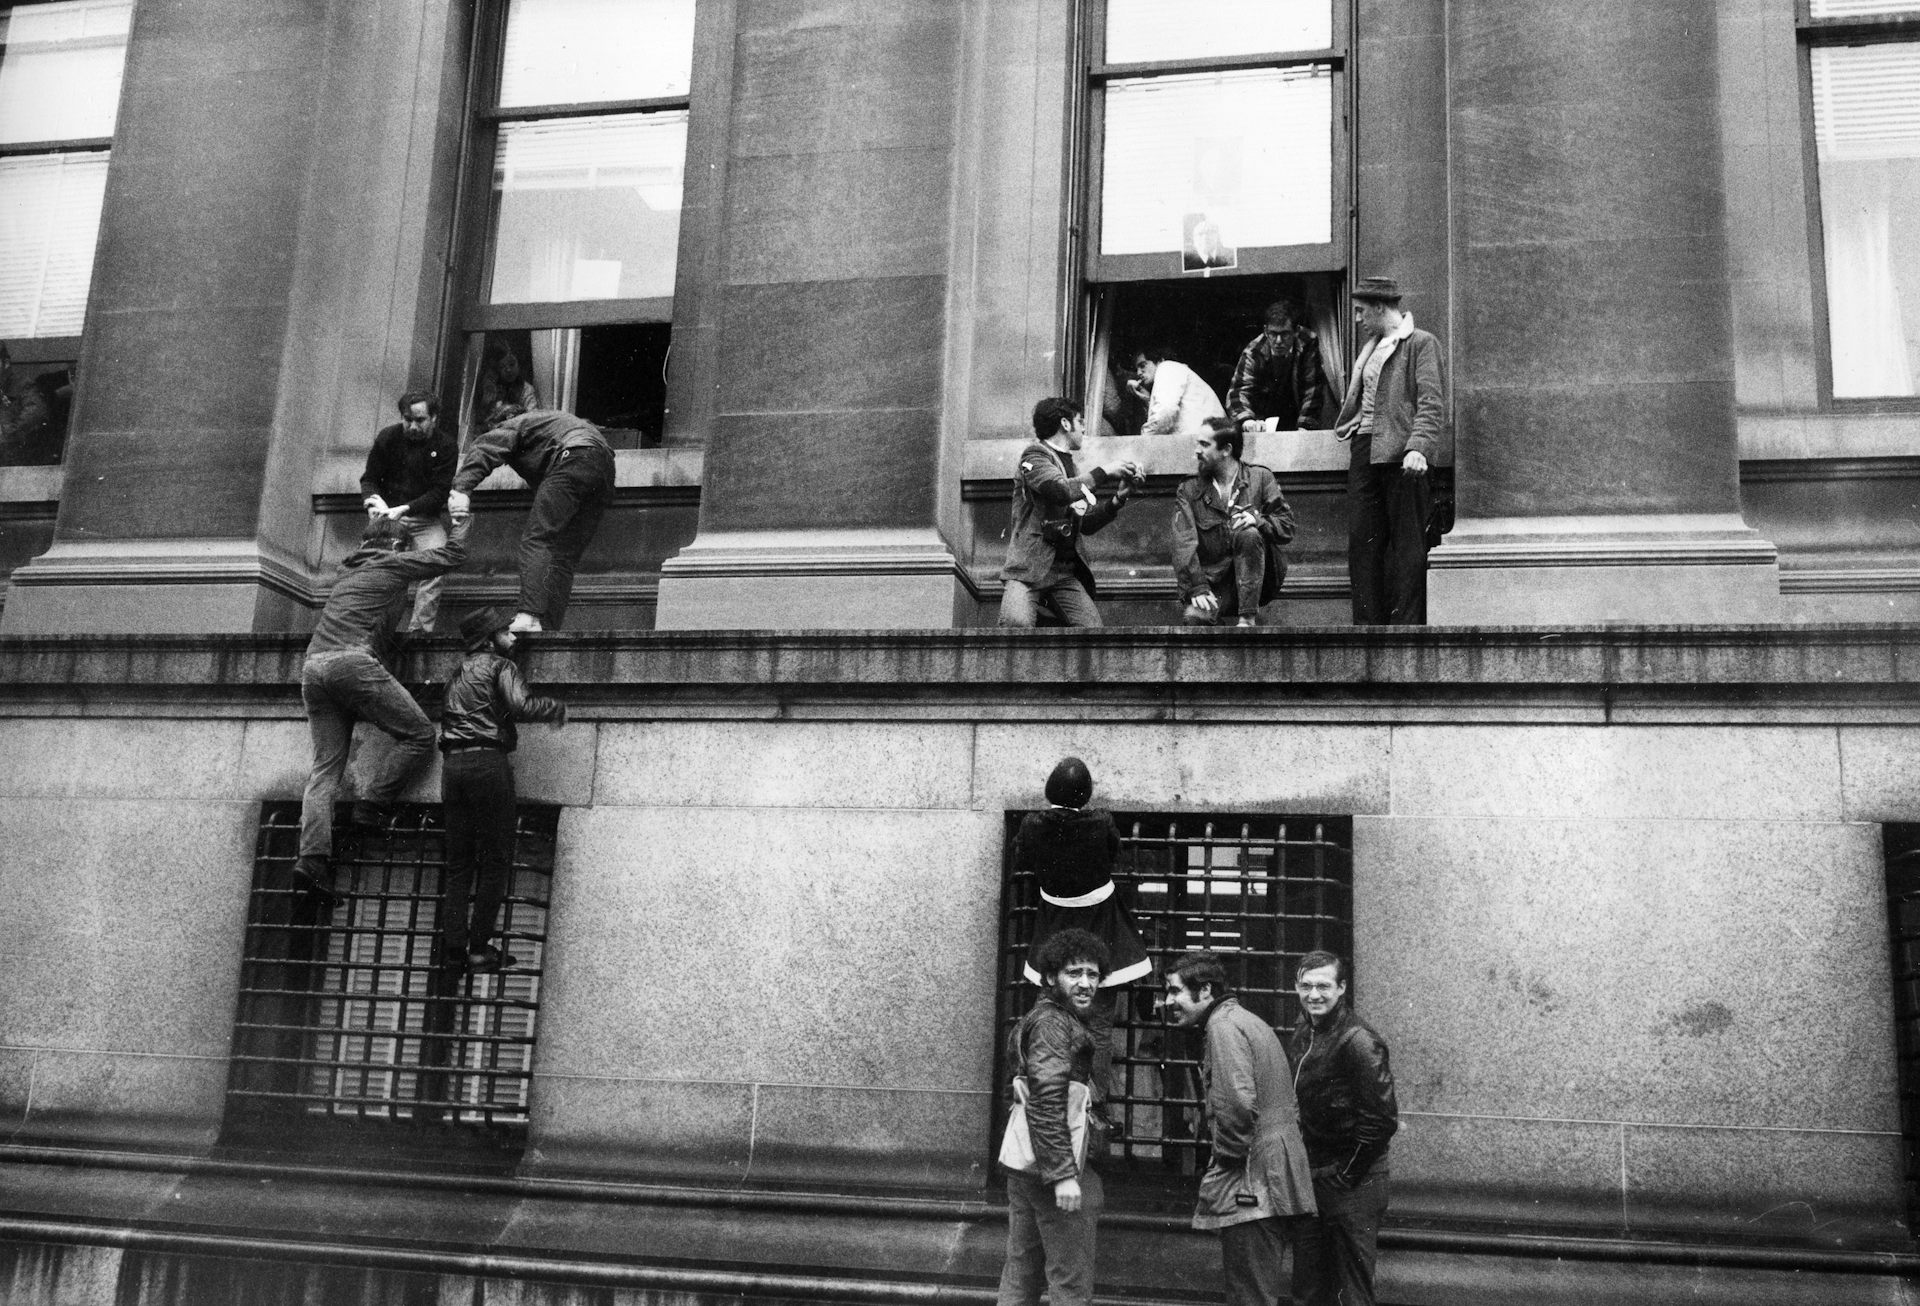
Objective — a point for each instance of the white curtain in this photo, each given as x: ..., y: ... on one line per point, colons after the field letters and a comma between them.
x: 1863, y: 296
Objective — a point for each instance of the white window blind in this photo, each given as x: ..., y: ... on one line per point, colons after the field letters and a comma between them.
x: 1866, y: 119
x: 1861, y: 8
x: 49, y: 219
x: 588, y: 208
x: 1140, y: 31
x: 583, y: 51
x: 60, y: 69
x: 1253, y: 151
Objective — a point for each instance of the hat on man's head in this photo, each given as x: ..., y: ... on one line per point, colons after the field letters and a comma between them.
x: 1071, y: 784
x: 1378, y: 290
x: 480, y: 625
x: 384, y: 535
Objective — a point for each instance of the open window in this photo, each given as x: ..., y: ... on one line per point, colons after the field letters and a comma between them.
x: 570, y: 299
x: 1216, y: 184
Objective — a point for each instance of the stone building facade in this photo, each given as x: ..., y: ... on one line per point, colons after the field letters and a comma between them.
x: 1617, y: 829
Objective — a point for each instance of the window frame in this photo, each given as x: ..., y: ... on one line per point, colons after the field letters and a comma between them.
x: 1811, y: 33
x: 1093, y: 73
x: 470, y: 315
x: 63, y: 349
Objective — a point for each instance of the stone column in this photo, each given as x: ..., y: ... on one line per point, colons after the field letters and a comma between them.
x: 269, y: 277
x: 1597, y: 468
x: 829, y: 492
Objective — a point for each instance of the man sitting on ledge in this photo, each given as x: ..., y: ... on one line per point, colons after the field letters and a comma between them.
x: 1230, y: 521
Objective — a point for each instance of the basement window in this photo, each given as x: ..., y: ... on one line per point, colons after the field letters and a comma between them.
x: 1262, y: 891
x: 345, y: 1030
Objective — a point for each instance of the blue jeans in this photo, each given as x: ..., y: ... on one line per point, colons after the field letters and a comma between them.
x: 338, y: 689
x: 1073, y: 604
x: 567, y: 508
x: 426, y: 533
x: 1048, y: 1247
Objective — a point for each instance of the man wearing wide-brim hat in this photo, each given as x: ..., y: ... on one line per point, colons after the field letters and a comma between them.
x: 1393, y: 414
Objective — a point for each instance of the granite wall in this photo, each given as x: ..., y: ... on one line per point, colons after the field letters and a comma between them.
x: 1633, y: 975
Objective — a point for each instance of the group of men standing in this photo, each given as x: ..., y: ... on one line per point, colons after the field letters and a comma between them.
x: 414, y: 473
x: 1297, y: 1133
x: 1231, y: 519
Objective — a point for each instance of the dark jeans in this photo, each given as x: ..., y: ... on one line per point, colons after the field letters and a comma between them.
x: 476, y: 790
x: 566, y: 512
x: 1387, y: 512
x: 1048, y: 1247
x: 1250, y: 1261
x: 338, y: 689
x: 1238, y: 585
x: 1333, y: 1252
x: 1069, y: 602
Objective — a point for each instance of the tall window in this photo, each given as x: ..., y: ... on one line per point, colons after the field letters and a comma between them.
x: 1217, y: 181
x: 572, y: 294
x: 1864, y: 63
x: 60, y: 71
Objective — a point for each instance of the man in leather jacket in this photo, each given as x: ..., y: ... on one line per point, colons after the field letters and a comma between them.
x: 485, y: 696
x: 1230, y: 524
x: 1052, y: 1210
x: 1347, y: 1113
x: 1053, y: 506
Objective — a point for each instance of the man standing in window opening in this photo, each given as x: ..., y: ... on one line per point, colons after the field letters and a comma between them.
x: 346, y: 678
x: 1053, y: 1210
x: 1230, y: 525
x: 485, y: 697
x: 1278, y: 384
x: 409, y: 471
x: 569, y: 464
x: 1393, y: 414
x: 1257, y: 1178
x: 1347, y: 1114
x: 1069, y: 850
x: 1178, y: 401
x: 1053, y: 506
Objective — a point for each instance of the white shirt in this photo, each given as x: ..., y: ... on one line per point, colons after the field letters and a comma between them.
x: 1181, y: 403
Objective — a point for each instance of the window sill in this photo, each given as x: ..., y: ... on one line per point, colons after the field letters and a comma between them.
x: 31, y: 484
x: 632, y: 469
x: 1776, y: 436
x: 1168, y: 455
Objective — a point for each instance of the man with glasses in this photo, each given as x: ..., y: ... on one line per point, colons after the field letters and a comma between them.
x: 1278, y: 384
x: 1347, y: 1114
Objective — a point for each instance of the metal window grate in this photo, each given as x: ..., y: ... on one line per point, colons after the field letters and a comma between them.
x: 1902, y: 846
x: 343, y: 1017
x: 1263, y: 891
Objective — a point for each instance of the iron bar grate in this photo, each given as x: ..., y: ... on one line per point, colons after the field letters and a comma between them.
x: 344, y: 1018
x: 1263, y: 891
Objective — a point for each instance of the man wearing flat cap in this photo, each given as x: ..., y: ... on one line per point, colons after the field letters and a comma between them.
x: 486, y: 695
x: 1393, y: 415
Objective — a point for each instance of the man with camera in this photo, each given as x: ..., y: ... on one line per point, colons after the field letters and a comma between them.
x: 1053, y: 506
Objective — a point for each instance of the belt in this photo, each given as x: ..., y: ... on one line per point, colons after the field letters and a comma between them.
x: 473, y: 748
x: 1099, y: 895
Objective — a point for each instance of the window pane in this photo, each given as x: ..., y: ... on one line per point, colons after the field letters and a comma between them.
x: 579, y: 51
x: 1866, y: 115
x: 49, y: 218
x: 1143, y: 30
x: 588, y: 208
x: 60, y: 69
x: 1857, y: 8
x: 1252, y: 151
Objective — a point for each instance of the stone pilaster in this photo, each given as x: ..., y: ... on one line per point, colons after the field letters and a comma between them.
x: 264, y: 286
x: 1598, y: 472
